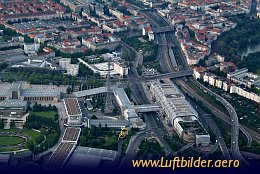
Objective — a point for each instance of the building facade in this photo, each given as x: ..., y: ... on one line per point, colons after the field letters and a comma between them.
x: 179, y: 113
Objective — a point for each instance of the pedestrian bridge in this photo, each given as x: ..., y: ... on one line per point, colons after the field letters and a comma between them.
x: 147, y: 108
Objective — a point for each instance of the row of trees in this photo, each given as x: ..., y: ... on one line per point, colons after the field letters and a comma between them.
x: 174, y: 141
x: 128, y: 91
x: 40, y: 108
x: 38, y: 76
x: 78, y: 54
x: 131, y: 132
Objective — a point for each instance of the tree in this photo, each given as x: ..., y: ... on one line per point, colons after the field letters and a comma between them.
x: 3, y: 65
x: 124, y: 55
x: 30, y: 145
x: 12, y: 124
x: 62, y: 28
x: 106, y: 10
x: 114, y: 4
x: 93, y: 117
x: 128, y: 91
x: 2, y: 124
x: 69, y: 90
x: 56, y: 117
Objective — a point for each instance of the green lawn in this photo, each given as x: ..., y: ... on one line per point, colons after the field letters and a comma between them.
x: 7, y: 149
x: 10, y: 141
x: 46, y: 114
x: 26, y: 132
x: 14, y: 130
x: 110, y: 140
x: 30, y: 133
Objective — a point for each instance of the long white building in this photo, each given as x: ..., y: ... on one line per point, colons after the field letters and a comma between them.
x: 128, y: 109
x: 179, y: 112
x: 73, y: 111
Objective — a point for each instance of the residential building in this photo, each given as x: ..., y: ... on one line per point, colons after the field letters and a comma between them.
x: 65, y: 64
x: 121, y: 69
x: 31, y: 48
x: 98, y: 42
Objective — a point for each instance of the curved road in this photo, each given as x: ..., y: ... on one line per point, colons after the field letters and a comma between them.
x: 234, y: 123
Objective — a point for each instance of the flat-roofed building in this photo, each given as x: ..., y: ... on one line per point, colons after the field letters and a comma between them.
x: 65, y: 64
x: 73, y: 111
x: 11, y: 55
x: 77, y: 5
x: 103, y: 41
x: 13, y: 110
x: 4, y: 159
x: 92, y: 93
x: 14, y: 99
x: 179, y: 112
x: 128, y: 109
x: 237, y: 73
x: 243, y: 77
x: 89, y: 157
x: 12, y: 106
x: 28, y: 92
x: 121, y: 69
x: 73, y: 69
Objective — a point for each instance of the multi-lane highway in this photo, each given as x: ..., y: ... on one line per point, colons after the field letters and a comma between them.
x: 234, y: 123
x: 229, y: 119
x: 207, y: 121
x: 165, y: 60
x: 166, y: 40
x: 172, y: 75
x: 152, y: 129
x: 161, y: 40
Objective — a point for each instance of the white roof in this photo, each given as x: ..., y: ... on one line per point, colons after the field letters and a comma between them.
x: 90, y: 92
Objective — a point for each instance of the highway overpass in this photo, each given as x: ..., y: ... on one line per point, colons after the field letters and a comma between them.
x: 172, y: 75
x: 163, y: 29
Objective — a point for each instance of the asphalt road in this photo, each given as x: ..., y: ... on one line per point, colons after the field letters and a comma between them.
x: 152, y: 129
x: 207, y: 121
x: 234, y: 125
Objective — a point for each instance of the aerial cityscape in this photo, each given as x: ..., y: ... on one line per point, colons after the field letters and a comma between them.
x: 129, y: 85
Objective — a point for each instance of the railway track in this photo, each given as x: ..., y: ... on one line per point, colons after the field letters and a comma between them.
x: 166, y: 41
x: 162, y: 40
